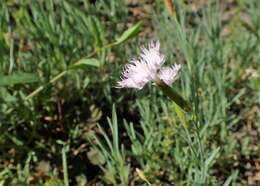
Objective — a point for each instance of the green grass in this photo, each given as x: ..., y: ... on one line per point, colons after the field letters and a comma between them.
x: 63, y: 122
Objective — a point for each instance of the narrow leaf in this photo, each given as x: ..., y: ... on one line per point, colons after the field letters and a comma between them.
x: 129, y: 33
x: 231, y: 178
x: 17, y: 78
x: 86, y: 62
x: 96, y: 30
x: 212, y: 157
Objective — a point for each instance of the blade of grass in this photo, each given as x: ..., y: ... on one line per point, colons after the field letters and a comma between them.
x: 65, y: 165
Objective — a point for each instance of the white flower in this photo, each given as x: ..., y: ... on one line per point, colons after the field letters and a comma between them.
x: 170, y: 74
x: 147, y: 68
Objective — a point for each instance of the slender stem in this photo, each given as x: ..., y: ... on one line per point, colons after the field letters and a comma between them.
x: 11, y: 52
x: 174, y: 96
x: 40, y: 88
x: 11, y: 58
x: 65, y: 167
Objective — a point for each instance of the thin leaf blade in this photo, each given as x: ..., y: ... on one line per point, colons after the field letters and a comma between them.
x: 129, y: 33
x: 86, y: 62
x: 17, y: 78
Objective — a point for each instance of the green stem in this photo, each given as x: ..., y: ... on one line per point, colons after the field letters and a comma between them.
x: 174, y: 96
x: 40, y: 88
x: 64, y: 165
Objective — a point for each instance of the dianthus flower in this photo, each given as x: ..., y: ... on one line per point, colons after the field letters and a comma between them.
x: 148, y: 67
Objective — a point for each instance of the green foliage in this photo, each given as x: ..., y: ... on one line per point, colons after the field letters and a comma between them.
x: 131, y: 32
x: 86, y: 62
x: 54, y: 182
x: 59, y: 63
x: 17, y: 78
x: 114, y: 155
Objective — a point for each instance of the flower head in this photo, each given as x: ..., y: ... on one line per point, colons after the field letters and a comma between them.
x: 170, y: 74
x: 147, y: 68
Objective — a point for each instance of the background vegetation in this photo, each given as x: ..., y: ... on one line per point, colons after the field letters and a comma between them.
x: 63, y: 122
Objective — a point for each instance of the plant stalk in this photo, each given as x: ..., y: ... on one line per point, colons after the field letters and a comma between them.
x: 174, y: 96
